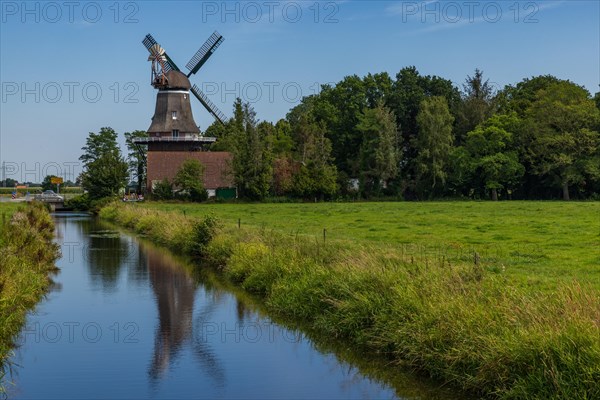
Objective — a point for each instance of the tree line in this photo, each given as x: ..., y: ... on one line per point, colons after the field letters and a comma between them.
x: 421, y: 137
x: 413, y: 137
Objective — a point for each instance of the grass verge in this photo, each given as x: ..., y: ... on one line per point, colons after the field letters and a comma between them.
x: 473, y: 327
x: 27, y: 255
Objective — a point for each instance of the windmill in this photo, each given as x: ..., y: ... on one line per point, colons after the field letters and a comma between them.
x: 169, y: 80
x: 173, y: 136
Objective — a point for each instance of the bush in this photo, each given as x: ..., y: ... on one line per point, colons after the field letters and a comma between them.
x: 79, y: 203
x: 204, y: 231
x: 163, y: 190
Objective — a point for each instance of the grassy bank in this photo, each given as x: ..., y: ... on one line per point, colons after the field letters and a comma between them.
x: 474, y: 326
x: 27, y: 256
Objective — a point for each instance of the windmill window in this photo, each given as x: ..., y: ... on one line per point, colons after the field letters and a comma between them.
x: 175, y: 133
x: 174, y: 114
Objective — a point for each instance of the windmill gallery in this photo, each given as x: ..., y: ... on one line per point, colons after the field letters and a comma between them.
x: 173, y: 135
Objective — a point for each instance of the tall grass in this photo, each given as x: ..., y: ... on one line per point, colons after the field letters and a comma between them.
x: 471, y: 327
x: 27, y: 256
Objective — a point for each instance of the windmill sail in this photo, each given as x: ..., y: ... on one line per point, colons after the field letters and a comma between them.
x: 210, y: 107
x: 204, y: 53
x: 149, y: 42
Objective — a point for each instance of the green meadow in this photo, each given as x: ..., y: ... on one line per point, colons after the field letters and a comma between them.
x: 538, y: 243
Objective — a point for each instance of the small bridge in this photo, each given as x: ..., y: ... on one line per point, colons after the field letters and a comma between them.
x: 55, y: 203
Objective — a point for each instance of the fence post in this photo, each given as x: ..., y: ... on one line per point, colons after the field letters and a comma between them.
x: 239, y: 223
x: 324, y: 234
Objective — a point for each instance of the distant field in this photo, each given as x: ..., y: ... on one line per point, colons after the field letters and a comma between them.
x: 540, y: 243
x: 33, y: 190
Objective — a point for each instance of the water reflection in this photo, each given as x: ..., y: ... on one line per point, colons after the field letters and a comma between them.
x: 174, y: 290
x: 195, y: 336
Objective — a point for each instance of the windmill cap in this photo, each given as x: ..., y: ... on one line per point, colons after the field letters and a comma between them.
x: 178, y: 80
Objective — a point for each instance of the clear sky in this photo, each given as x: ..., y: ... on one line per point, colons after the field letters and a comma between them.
x: 68, y: 68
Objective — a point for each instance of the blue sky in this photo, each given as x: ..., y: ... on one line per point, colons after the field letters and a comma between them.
x: 70, y: 68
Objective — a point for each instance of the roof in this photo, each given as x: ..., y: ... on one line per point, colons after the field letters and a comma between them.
x: 177, y: 80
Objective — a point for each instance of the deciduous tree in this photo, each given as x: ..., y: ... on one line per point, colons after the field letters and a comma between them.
x: 189, y: 180
x: 105, y: 170
x: 379, y: 155
x: 565, y: 145
x: 433, y: 145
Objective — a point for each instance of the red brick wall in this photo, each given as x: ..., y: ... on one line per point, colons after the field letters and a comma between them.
x: 164, y: 164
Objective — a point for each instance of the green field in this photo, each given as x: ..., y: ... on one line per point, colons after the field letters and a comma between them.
x: 539, y: 243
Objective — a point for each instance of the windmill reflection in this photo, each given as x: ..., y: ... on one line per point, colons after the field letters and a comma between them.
x: 175, y: 291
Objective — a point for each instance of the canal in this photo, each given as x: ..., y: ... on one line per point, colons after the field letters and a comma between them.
x: 125, y: 319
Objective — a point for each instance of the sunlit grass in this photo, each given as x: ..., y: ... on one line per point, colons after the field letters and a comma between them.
x: 540, y: 243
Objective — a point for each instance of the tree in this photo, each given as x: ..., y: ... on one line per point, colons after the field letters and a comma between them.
x: 283, y: 175
x: 220, y: 131
x: 378, y: 88
x: 9, y: 182
x: 316, y: 177
x: 379, y: 155
x: 47, y: 182
x: 104, y: 169
x: 409, y: 90
x: 136, y: 157
x: 565, y: 146
x: 105, y: 176
x: 98, y: 144
x: 477, y: 104
x: 492, y: 156
x: 433, y: 144
x: 252, y: 157
x: 189, y: 180
x: 283, y: 143
x: 520, y: 97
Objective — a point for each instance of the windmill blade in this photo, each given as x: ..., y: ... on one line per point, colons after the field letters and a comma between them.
x: 204, y: 53
x: 169, y: 65
x: 157, y: 53
x: 210, y: 107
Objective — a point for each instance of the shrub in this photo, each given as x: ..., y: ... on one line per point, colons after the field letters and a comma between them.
x: 163, y: 190
x: 203, y: 232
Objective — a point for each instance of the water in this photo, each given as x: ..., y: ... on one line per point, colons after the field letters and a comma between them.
x: 125, y: 319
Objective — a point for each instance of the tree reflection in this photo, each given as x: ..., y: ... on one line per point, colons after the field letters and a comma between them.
x: 105, y: 252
